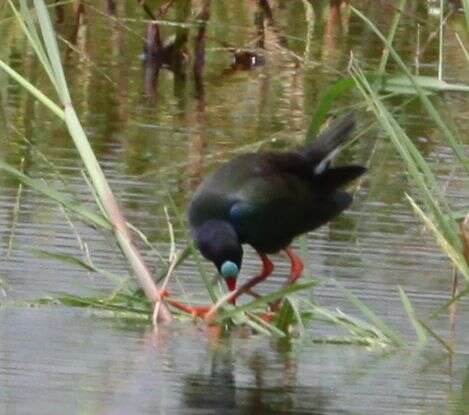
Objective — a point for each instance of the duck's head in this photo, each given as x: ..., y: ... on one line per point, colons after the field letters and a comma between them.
x: 218, y: 241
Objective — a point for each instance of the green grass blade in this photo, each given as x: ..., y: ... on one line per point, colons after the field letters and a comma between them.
x: 286, y: 317
x: 357, y: 328
x: 392, y: 32
x: 427, y: 83
x: 461, y: 44
x: 86, y: 152
x: 69, y: 204
x: 52, y: 49
x: 289, y: 316
x: 419, y: 330
x: 71, y: 260
x: 270, y: 328
x: 438, y: 338
x: 419, y: 170
x: 450, y: 302
x: 26, y: 22
x: 33, y: 90
x: 101, y: 304
x: 343, y: 341
x: 465, y: 4
x: 66, y: 259
x: 372, y: 317
x: 451, y: 139
x: 456, y: 256
x: 268, y: 298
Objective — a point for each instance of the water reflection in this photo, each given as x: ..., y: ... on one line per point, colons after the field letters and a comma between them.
x: 170, y: 52
x: 219, y: 393
x: 219, y: 386
x: 235, y: 75
x: 197, y: 143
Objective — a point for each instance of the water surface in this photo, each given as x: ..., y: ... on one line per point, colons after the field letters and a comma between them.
x: 156, y: 138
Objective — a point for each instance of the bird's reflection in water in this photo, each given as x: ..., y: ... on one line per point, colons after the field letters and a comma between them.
x: 169, y: 52
x: 262, y: 381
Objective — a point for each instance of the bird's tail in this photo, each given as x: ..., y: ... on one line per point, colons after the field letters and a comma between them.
x: 336, y: 177
x: 327, y: 144
x: 324, y: 149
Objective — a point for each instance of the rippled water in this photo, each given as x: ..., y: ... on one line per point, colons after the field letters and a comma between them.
x: 155, y: 144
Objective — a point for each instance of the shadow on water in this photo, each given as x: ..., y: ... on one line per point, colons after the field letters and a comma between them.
x: 217, y: 78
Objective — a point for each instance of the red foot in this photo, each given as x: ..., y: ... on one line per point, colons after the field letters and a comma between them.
x: 296, y: 266
x: 268, y: 317
x: 164, y: 293
x: 200, y: 311
x: 194, y: 311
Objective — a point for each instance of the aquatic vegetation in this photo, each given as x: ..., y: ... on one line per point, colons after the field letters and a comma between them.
x: 49, y: 56
x: 297, y: 315
x: 439, y: 217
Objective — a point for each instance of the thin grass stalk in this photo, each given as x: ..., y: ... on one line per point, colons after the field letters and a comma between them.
x: 450, y: 137
x: 29, y: 28
x: 464, y: 232
x: 309, y: 12
x: 453, y: 308
x: 33, y: 90
x: 261, y: 326
x: 449, y: 303
x: 264, y: 300
x: 88, y: 157
x: 465, y: 4
x: 463, y: 48
x: 438, y: 338
x: 53, y: 66
x: 464, y: 228
x: 440, y: 41
x: 71, y: 205
x: 445, y: 227
x: 413, y: 159
x: 419, y: 330
x: 71, y: 260
x: 390, y: 333
x: 454, y: 255
x: 392, y: 32
x: 417, y: 52
x: 15, y: 213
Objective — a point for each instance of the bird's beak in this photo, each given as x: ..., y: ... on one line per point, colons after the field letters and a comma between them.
x: 231, y: 283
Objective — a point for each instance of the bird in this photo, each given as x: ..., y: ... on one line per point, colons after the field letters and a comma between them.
x: 266, y: 200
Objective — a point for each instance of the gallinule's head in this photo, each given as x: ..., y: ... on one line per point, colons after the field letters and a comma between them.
x: 218, y: 242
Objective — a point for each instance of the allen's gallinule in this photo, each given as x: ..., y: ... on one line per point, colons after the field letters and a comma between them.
x: 266, y: 200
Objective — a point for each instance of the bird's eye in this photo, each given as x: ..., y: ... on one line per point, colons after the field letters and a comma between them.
x: 229, y: 269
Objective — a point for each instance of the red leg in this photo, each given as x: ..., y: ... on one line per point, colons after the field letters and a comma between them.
x: 295, y: 272
x: 267, y: 268
x: 296, y: 266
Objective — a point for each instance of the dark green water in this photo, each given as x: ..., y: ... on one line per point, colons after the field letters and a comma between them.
x: 156, y: 139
